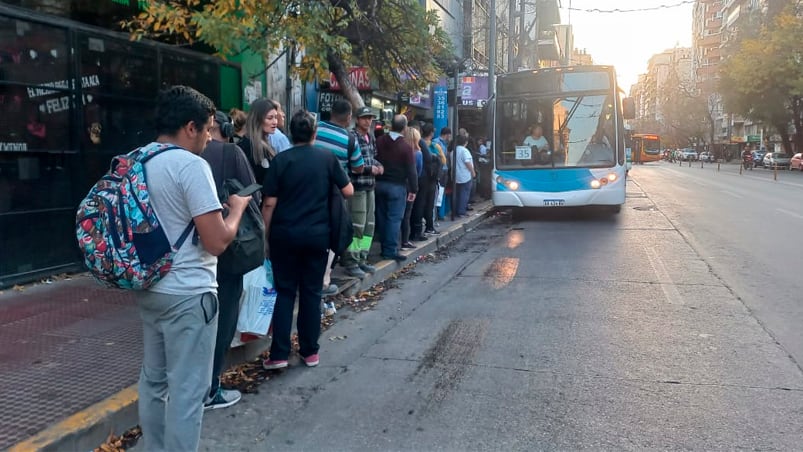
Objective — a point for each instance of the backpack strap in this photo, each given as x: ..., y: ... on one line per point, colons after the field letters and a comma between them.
x: 184, y: 235
x: 147, y: 153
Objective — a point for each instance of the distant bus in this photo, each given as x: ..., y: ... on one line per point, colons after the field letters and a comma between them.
x: 559, y: 138
x: 646, y: 148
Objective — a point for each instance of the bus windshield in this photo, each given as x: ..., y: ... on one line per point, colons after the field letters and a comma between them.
x: 557, y: 131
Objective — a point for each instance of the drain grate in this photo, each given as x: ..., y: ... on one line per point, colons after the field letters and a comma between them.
x: 648, y: 208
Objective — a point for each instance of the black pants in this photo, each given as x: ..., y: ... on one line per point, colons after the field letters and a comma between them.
x: 229, y: 290
x: 407, y: 222
x: 297, y: 267
x: 423, y: 207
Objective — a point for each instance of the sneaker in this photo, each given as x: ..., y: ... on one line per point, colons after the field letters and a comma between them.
x: 355, y: 272
x: 367, y: 268
x: 395, y: 257
x: 223, y: 398
x: 331, y: 290
x: 432, y: 231
x: 270, y: 364
x: 418, y: 238
x: 408, y: 246
x: 311, y: 360
x: 329, y: 309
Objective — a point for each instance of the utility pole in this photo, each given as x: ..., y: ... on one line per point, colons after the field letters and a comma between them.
x: 492, y: 50
x: 511, y: 34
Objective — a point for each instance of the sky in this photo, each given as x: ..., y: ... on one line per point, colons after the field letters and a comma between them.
x: 627, y: 40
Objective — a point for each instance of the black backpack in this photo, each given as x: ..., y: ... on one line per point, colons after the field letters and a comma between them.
x: 247, y: 251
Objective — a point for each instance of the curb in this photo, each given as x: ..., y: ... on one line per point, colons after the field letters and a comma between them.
x: 88, y: 428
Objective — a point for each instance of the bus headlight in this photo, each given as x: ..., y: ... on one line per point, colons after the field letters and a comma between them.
x: 513, y: 185
x: 612, y: 177
x: 595, y: 184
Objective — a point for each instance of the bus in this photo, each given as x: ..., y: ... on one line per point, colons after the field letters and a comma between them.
x: 646, y: 148
x: 558, y: 138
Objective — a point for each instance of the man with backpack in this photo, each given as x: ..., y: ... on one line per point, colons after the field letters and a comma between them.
x: 227, y: 162
x: 179, y: 312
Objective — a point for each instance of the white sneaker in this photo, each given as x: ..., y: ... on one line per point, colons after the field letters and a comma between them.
x: 224, y: 398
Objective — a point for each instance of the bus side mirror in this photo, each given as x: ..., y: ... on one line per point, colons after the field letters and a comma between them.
x: 628, y: 108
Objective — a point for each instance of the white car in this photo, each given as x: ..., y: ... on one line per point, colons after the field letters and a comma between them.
x: 776, y: 160
x: 706, y: 157
x: 688, y: 154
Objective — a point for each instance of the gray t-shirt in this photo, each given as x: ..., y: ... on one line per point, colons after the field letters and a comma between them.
x: 181, y: 187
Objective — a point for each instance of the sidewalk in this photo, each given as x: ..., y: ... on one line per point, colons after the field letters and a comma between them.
x: 71, y: 352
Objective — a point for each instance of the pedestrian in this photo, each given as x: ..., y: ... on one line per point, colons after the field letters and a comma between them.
x: 333, y: 135
x: 278, y: 140
x: 227, y: 161
x: 396, y: 186
x: 179, y: 313
x: 413, y: 137
x: 261, y: 122
x: 238, y: 118
x: 464, y: 173
x: 424, y: 206
x: 442, y: 144
x: 295, y: 207
x: 363, y: 203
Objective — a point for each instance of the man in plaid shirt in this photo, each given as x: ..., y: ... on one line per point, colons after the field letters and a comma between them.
x: 362, y: 203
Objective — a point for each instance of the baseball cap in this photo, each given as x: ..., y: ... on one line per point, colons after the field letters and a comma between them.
x: 365, y: 111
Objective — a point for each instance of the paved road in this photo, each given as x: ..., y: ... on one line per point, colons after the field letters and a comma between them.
x: 558, y: 332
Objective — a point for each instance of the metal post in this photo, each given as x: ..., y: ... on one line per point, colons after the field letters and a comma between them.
x: 492, y: 50
x: 511, y: 27
x: 775, y: 172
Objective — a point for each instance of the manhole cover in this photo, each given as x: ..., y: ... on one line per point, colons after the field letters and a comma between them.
x: 644, y: 208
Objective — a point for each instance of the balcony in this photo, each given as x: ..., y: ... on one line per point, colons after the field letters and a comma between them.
x: 710, y: 40
x: 710, y: 70
x: 713, y: 24
x: 548, y: 48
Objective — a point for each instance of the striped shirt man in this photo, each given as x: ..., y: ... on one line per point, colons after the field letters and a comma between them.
x: 336, y: 139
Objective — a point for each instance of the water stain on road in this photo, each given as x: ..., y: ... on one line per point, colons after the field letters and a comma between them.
x: 501, y: 272
x: 449, y: 359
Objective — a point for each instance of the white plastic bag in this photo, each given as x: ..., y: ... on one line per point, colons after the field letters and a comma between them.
x: 259, y: 299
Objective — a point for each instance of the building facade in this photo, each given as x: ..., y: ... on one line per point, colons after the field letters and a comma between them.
x: 73, y: 95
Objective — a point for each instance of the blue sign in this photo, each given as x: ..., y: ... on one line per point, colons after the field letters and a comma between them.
x: 441, y: 105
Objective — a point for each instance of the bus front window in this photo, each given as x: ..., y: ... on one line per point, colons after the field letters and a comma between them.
x: 572, y: 131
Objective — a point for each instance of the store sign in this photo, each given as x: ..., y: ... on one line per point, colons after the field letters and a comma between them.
x: 754, y: 138
x: 358, y: 76
x: 474, y: 91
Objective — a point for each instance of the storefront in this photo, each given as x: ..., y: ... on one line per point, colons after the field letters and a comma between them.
x: 71, y: 97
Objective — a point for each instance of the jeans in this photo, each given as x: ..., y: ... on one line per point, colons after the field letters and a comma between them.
x: 297, y: 267
x: 461, y: 198
x: 391, y: 200
x: 424, y: 207
x: 229, y: 291
x: 178, y: 334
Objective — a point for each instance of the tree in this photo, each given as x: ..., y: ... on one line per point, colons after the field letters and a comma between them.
x: 763, y: 79
x: 398, y: 40
x: 684, y: 111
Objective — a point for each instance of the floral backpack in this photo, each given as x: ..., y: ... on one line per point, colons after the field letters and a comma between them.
x: 122, y: 240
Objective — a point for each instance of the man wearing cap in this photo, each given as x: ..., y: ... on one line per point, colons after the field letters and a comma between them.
x: 362, y: 203
x: 227, y: 157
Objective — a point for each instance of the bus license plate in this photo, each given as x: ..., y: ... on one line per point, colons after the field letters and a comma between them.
x: 523, y: 153
x: 554, y: 202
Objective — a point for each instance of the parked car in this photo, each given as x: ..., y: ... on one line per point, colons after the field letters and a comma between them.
x: 776, y: 160
x: 758, y: 158
x: 796, y: 162
x: 688, y: 154
x: 706, y: 157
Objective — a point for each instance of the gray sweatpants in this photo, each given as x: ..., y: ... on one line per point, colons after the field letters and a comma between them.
x: 179, y: 340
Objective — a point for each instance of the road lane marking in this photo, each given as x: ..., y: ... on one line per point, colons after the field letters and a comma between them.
x: 667, y: 285
x: 798, y: 216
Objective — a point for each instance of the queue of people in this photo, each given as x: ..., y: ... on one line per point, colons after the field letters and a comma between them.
x: 392, y: 186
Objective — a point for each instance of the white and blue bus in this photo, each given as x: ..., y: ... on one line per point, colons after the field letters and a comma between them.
x: 558, y: 138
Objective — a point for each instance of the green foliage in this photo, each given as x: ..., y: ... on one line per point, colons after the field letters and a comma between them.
x: 763, y: 79
x: 398, y: 40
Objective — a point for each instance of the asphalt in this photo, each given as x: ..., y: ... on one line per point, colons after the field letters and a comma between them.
x: 562, y: 331
x: 71, y: 352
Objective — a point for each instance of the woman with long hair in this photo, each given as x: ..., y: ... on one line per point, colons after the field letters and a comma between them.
x: 238, y: 118
x: 412, y: 136
x: 262, y: 120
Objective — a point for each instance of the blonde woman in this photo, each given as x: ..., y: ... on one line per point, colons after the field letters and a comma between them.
x: 413, y: 138
x: 262, y: 121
